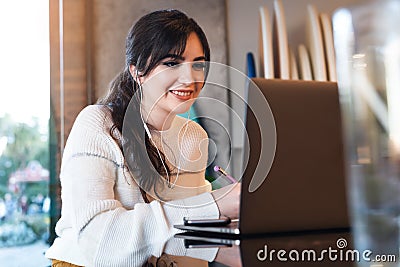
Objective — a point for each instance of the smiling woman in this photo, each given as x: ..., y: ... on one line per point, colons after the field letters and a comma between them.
x: 132, y: 168
x: 172, y: 86
x: 151, y: 73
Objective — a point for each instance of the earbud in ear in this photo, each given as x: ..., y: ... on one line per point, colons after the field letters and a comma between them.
x: 141, y: 96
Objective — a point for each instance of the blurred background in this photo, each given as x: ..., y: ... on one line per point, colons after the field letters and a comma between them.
x: 58, y: 56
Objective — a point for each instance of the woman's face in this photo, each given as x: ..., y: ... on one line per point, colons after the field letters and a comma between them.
x: 175, y: 83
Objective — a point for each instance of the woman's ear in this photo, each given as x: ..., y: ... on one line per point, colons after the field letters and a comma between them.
x: 135, y: 74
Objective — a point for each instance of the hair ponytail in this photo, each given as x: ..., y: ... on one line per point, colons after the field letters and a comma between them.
x: 140, y: 154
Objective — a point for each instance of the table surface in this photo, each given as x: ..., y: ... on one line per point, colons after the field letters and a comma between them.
x: 315, y: 248
x: 329, y: 248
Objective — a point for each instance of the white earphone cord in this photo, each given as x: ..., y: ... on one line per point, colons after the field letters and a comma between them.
x: 151, y: 140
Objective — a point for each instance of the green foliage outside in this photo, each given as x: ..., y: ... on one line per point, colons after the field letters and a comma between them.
x: 24, y: 143
x: 21, y: 143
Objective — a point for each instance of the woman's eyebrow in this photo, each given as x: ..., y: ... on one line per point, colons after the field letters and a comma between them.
x: 199, y: 58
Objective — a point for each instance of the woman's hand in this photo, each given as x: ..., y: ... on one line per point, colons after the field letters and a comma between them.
x: 228, y: 200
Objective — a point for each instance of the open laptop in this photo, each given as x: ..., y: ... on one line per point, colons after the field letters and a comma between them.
x: 304, y: 189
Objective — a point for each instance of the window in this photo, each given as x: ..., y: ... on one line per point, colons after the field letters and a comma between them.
x: 24, y: 132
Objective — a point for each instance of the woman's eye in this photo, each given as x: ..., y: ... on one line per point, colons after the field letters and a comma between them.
x: 199, y: 66
x: 171, y: 63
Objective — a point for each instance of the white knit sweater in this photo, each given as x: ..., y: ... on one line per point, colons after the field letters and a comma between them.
x: 104, y: 220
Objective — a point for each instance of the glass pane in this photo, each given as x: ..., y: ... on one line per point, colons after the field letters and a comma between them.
x: 24, y: 132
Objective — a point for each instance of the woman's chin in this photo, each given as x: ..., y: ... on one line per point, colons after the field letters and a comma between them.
x: 181, y: 111
x: 183, y: 108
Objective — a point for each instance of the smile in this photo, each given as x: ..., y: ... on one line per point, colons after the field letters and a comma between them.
x: 181, y: 93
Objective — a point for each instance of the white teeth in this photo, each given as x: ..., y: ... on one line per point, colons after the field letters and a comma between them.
x: 180, y: 93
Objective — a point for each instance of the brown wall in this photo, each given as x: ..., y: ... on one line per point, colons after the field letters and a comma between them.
x: 68, y: 85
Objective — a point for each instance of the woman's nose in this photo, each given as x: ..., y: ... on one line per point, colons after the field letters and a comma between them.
x: 186, y: 75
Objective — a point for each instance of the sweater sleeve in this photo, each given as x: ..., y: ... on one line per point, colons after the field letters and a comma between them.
x: 108, y: 233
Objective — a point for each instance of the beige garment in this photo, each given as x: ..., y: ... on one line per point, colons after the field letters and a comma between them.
x: 57, y: 263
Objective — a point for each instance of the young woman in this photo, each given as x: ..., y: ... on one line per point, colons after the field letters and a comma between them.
x: 131, y: 168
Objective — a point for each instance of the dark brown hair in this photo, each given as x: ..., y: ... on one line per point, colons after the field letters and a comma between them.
x: 149, y: 40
